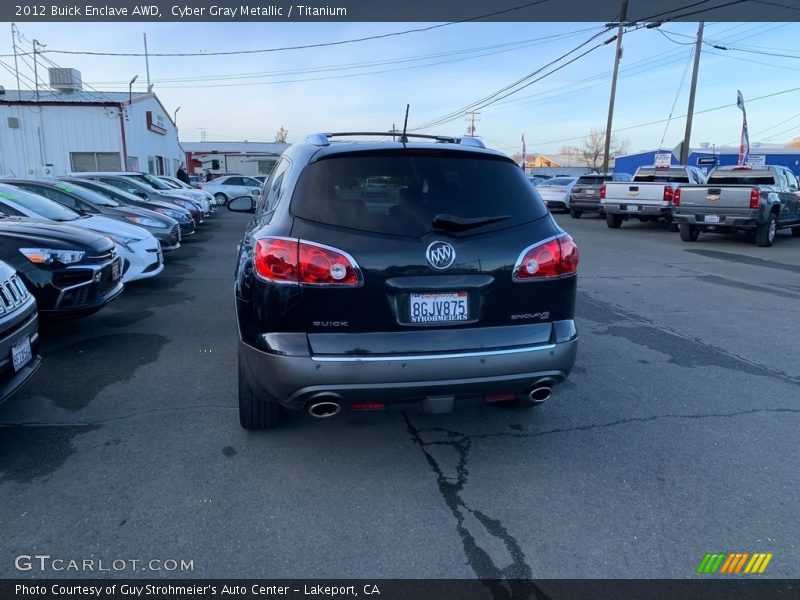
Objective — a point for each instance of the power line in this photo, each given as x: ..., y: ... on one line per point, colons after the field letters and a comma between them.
x: 306, y: 46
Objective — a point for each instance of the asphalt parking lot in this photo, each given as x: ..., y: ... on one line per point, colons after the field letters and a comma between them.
x: 675, y: 436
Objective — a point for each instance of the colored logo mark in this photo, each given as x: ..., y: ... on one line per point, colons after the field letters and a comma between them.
x: 734, y: 562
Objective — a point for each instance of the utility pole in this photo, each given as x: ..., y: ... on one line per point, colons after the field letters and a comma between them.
x: 147, y: 64
x: 471, y: 127
x: 16, y: 66
x: 688, y: 134
x: 36, y: 68
x: 623, y: 15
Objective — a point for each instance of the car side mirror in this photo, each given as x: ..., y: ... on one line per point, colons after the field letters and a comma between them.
x: 244, y: 204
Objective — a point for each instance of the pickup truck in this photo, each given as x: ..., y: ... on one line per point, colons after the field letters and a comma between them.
x: 648, y: 197
x: 757, y: 200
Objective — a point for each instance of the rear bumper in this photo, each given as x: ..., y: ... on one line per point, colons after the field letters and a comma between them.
x: 585, y: 205
x: 397, y: 379
x: 740, y: 221
x: 643, y: 210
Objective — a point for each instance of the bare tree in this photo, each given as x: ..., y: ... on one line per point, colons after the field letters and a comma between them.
x: 281, y: 135
x: 594, y: 147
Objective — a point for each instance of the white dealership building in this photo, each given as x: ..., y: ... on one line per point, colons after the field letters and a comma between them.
x: 68, y: 128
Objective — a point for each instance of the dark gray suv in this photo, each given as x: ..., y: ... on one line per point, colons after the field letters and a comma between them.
x: 454, y: 282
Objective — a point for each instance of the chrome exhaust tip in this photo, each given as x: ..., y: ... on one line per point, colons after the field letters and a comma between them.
x: 539, y: 394
x: 324, y: 409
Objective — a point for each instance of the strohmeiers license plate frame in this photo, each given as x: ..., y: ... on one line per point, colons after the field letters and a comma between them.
x: 438, y: 307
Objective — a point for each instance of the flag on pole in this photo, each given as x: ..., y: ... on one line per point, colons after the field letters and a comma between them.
x: 523, y: 152
x: 744, y: 142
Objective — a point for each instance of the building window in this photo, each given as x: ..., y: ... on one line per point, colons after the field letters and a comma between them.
x: 133, y: 164
x: 95, y: 161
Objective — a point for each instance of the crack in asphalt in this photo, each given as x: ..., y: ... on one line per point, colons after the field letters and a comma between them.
x: 512, y: 581
x: 755, y: 367
x: 132, y: 415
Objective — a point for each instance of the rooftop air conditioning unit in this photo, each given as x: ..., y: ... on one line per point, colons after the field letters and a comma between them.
x: 65, y: 80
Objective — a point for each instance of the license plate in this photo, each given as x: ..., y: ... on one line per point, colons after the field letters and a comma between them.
x: 115, y: 270
x: 21, y: 353
x: 711, y: 219
x: 438, y: 308
x: 588, y: 192
x: 632, y: 207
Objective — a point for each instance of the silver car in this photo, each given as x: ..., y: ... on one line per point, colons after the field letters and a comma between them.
x: 556, y: 191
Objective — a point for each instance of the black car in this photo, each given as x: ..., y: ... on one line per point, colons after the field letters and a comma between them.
x: 180, y: 214
x: 72, y: 272
x: 455, y: 283
x: 145, y: 192
x: 19, y: 333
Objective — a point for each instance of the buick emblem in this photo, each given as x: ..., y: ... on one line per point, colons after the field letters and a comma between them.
x: 440, y: 255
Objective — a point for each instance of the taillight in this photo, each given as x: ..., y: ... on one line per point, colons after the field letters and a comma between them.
x: 557, y: 257
x: 676, y: 197
x: 299, y: 261
x: 669, y: 193
x: 603, y: 192
x: 755, y: 198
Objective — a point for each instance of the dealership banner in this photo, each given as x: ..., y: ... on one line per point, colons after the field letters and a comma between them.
x: 709, y: 587
x: 391, y: 10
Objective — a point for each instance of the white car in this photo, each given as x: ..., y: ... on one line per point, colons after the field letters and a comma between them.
x: 556, y: 190
x: 178, y: 185
x: 232, y: 186
x: 139, y: 250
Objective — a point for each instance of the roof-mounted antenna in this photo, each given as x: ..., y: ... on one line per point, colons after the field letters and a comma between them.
x: 404, y: 138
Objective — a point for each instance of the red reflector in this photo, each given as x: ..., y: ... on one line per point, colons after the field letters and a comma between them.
x: 755, y: 198
x: 500, y: 397
x: 676, y: 197
x: 367, y: 406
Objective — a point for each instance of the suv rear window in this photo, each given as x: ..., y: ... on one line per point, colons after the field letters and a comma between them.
x: 401, y: 192
x: 593, y: 179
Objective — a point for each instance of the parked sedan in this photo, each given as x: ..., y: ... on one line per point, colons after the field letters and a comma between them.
x: 555, y: 191
x: 86, y: 202
x: 199, y: 197
x: 140, y: 251
x: 232, y: 186
x: 19, y: 339
x: 178, y: 213
x: 145, y: 192
x: 71, y: 272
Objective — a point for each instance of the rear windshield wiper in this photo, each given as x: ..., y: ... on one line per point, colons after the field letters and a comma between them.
x: 454, y: 223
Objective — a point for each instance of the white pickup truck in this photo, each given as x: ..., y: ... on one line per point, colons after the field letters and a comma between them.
x: 756, y: 200
x: 649, y: 196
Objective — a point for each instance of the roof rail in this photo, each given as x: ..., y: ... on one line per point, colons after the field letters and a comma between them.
x: 323, y: 139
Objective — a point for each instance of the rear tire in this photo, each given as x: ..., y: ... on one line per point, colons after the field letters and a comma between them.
x: 256, y: 413
x: 614, y: 221
x: 575, y: 214
x: 221, y: 199
x: 689, y: 233
x: 765, y: 234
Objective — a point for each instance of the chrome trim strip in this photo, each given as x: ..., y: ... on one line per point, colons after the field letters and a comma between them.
x: 385, y: 357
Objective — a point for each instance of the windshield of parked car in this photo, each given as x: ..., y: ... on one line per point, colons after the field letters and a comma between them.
x: 88, y: 195
x: 153, y: 182
x: 109, y: 191
x: 35, y: 203
x: 412, y: 193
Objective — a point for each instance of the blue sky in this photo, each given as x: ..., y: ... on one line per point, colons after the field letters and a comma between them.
x: 310, y: 90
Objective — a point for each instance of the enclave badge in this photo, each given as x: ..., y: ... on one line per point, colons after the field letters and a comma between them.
x: 440, y: 255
